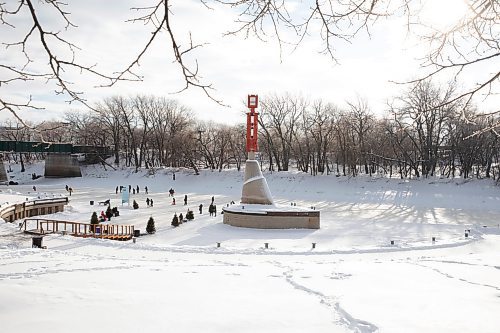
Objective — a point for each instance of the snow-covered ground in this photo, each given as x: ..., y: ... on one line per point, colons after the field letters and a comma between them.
x: 179, y: 280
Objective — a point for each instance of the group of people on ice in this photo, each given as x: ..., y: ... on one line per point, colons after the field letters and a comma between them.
x: 171, y: 194
x: 212, y: 208
x: 130, y: 189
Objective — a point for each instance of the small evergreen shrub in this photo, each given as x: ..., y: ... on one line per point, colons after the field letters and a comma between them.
x: 94, y: 219
x: 190, y: 215
x: 150, y: 228
x: 135, y: 205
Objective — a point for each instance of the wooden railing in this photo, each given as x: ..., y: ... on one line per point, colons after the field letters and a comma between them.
x: 78, y: 229
x: 25, y: 208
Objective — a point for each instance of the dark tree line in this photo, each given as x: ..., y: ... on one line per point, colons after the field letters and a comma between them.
x: 421, y: 134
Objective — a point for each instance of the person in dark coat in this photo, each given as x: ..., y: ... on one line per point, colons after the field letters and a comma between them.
x: 185, y: 200
x: 116, y: 190
x: 147, y: 201
x: 146, y: 189
x: 109, y: 213
x: 137, y: 189
x: 211, y: 210
x: 173, y: 201
x: 201, y: 208
x: 151, y: 202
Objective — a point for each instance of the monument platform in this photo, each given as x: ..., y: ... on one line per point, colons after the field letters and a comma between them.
x: 271, y: 217
x: 257, y: 208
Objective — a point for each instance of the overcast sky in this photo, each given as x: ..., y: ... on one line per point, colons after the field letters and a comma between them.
x: 233, y: 65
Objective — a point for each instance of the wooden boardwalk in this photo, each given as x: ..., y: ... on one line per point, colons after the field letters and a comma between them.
x: 37, y: 226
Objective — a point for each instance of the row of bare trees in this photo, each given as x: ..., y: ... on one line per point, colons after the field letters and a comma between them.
x: 422, y: 134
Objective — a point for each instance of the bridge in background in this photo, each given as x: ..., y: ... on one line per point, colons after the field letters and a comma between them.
x: 51, y: 147
x: 62, y: 159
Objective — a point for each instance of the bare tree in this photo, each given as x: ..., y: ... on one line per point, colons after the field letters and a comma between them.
x: 144, y: 106
x: 16, y: 132
x: 59, y: 54
x: 422, y: 116
x: 213, y: 141
x: 344, y: 144
x: 321, y: 131
x: 169, y: 120
x: 109, y: 114
x: 362, y: 122
x: 470, y: 43
x: 83, y: 128
x: 237, y: 147
x: 129, y: 120
x: 278, y: 121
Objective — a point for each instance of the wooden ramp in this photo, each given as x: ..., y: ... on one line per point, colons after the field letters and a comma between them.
x: 41, y: 227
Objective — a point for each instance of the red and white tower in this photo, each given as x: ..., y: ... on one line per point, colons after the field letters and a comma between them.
x: 252, y: 126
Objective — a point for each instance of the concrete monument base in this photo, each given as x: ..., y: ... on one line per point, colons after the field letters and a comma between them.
x: 271, y: 217
x: 257, y: 208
